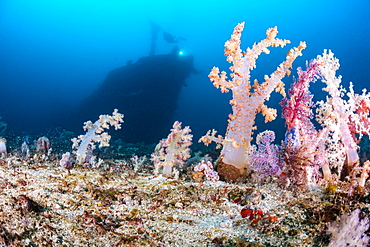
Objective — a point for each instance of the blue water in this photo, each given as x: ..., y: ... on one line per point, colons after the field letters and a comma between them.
x: 53, y: 54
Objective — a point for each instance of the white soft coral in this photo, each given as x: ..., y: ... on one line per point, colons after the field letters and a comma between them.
x: 95, y: 134
x: 172, y: 151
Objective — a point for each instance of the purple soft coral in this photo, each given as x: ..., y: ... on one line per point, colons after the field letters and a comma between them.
x: 267, y: 159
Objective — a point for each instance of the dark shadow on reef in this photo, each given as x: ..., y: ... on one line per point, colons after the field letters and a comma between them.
x: 145, y: 91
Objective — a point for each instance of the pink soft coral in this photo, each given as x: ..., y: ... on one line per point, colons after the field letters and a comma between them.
x: 173, y: 150
x: 206, y: 168
x: 304, y: 146
x: 297, y: 108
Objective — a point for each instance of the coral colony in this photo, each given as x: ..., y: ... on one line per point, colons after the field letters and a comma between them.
x: 305, y: 149
x: 173, y: 150
x: 85, y: 143
x: 248, y: 99
x: 310, y: 189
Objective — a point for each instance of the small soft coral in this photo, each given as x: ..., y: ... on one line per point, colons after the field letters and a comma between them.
x: 267, y: 159
x: 95, y: 133
x: 173, y: 150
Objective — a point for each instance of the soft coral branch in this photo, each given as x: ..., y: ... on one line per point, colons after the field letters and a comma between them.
x: 297, y: 108
x: 337, y: 113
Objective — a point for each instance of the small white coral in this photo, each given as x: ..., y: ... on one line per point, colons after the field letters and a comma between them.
x: 2, y: 145
x: 95, y: 133
x: 350, y: 231
x: 172, y: 151
x: 66, y: 161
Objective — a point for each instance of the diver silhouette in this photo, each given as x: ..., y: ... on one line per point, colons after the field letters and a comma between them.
x: 170, y: 38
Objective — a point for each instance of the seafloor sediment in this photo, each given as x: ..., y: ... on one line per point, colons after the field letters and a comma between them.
x: 42, y: 204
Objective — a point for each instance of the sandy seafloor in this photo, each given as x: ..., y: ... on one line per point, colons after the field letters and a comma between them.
x: 120, y: 203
